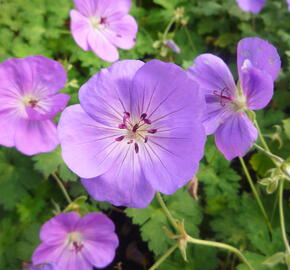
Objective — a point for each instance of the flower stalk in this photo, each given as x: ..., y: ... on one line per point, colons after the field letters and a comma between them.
x: 63, y: 189
x: 256, y: 194
x: 184, y: 238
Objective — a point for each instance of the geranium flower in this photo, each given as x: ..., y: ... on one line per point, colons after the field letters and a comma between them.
x: 74, y: 243
x: 227, y: 104
x: 137, y: 130
x: 29, y: 100
x: 102, y: 26
x: 254, y: 6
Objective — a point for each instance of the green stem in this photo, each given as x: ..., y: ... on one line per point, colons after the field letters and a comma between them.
x: 265, y: 145
x: 166, y: 211
x: 222, y: 246
x: 277, y: 160
x: 168, y: 28
x: 190, y: 39
x: 256, y: 194
x: 164, y: 257
x: 60, y: 184
x: 282, y: 220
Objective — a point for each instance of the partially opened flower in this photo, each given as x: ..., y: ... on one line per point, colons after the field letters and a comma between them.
x: 227, y: 104
x: 29, y: 99
x: 102, y: 26
x: 137, y: 130
x: 74, y: 243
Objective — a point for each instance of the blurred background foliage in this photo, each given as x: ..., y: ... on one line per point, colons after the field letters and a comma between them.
x: 225, y: 210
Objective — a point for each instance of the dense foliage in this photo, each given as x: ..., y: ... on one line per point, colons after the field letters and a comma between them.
x: 226, y: 209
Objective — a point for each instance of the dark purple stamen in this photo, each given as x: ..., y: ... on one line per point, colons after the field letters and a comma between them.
x: 78, y: 247
x: 152, y: 131
x: 32, y: 103
x: 122, y: 126
x: 103, y: 20
x: 143, y: 116
x: 147, y: 121
x: 120, y: 138
x: 145, y: 139
x: 136, y: 148
x: 135, y: 128
x: 223, y: 95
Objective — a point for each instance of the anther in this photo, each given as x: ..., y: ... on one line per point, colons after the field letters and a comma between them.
x: 152, y: 131
x: 146, y: 139
x: 147, y: 121
x: 135, y: 128
x: 122, y: 126
x: 136, y: 148
x: 119, y: 138
x: 143, y: 116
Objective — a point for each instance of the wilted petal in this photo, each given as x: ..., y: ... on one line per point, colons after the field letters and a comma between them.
x: 212, y: 74
x: 253, y: 6
x: 235, y: 136
x: 80, y: 28
x: 122, y: 32
x: 33, y: 136
x: 261, y: 54
x: 257, y: 86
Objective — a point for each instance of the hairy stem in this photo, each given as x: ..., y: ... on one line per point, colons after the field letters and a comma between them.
x: 166, y: 210
x: 256, y: 194
x: 282, y: 220
x: 277, y: 160
x: 265, y: 145
x: 172, y: 21
x: 222, y: 246
x: 60, y: 184
x: 164, y: 257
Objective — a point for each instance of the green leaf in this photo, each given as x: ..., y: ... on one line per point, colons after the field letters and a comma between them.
x: 275, y: 259
x: 48, y: 163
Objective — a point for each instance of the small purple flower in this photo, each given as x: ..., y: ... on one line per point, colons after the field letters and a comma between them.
x: 75, y: 243
x: 137, y: 130
x: 103, y: 25
x: 253, y: 6
x: 29, y: 100
x: 258, y: 67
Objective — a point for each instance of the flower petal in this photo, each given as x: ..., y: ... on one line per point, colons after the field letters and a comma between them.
x: 48, y: 107
x: 88, y: 147
x: 113, y: 85
x: 257, y: 86
x: 261, y: 54
x: 101, y: 46
x: 34, y: 136
x: 9, y: 120
x: 80, y: 28
x: 102, y: 7
x: 166, y: 94
x: 55, y: 231
x: 122, y: 32
x: 100, y: 253
x: 124, y: 184
x: 212, y: 74
x: 253, y: 6
x: 235, y: 136
x: 96, y: 225
x: 47, y: 254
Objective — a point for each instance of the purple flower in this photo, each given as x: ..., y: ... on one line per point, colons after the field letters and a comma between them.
x: 75, y: 243
x: 29, y: 100
x: 253, y: 6
x: 137, y: 130
x: 258, y: 67
x: 103, y: 25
